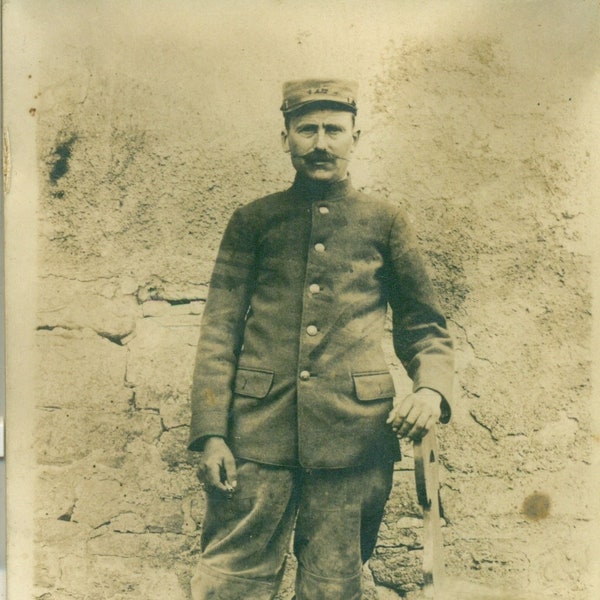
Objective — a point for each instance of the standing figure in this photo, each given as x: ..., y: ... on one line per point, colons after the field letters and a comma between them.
x: 292, y: 399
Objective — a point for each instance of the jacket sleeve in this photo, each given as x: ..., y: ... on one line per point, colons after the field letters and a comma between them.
x: 421, y: 339
x: 221, y: 332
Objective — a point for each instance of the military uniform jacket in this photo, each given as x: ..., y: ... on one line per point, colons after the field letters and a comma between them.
x: 289, y: 368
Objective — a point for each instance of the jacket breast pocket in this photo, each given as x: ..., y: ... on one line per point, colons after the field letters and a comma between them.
x: 255, y: 383
x: 373, y: 385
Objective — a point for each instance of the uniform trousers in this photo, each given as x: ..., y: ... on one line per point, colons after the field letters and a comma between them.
x: 246, y: 535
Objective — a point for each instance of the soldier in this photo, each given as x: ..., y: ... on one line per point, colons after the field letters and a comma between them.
x: 292, y: 400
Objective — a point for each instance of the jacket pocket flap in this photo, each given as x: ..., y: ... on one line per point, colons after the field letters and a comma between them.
x: 373, y: 386
x: 253, y: 382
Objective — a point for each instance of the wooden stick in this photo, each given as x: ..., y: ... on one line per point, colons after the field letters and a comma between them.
x: 428, y: 486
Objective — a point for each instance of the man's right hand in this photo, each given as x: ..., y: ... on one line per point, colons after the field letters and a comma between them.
x: 217, y: 466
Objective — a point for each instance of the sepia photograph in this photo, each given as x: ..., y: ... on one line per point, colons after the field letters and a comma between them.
x: 301, y: 299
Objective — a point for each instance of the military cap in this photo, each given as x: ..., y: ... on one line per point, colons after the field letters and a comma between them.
x: 297, y: 94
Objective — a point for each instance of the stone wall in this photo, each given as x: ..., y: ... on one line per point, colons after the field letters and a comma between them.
x: 155, y: 120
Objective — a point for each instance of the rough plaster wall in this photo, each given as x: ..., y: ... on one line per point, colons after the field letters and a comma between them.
x: 154, y: 123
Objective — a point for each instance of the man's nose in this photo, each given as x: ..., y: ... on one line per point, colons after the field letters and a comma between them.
x: 321, y: 140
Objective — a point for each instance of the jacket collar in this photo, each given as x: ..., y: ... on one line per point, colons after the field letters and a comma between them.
x: 310, y: 190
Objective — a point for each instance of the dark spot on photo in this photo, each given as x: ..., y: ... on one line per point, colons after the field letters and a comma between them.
x: 536, y: 506
x: 63, y: 153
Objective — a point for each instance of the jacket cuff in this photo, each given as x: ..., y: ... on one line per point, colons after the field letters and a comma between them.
x: 212, y: 424
x: 197, y: 445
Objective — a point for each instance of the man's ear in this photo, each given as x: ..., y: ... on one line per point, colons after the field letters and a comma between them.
x: 355, y: 137
x: 284, y: 141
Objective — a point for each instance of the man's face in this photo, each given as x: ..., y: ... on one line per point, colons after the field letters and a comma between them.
x: 320, y: 143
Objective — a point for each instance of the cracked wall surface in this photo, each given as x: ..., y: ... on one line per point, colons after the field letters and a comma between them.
x: 153, y: 127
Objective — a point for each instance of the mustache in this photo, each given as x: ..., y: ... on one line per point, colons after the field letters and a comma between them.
x: 319, y: 156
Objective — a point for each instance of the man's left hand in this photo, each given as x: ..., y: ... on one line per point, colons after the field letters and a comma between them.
x: 416, y: 414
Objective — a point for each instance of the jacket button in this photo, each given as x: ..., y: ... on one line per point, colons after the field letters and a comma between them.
x: 312, y: 330
x: 320, y: 247
x: 323, y: 210
x: 314, y: 288
x: 304, y: 375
